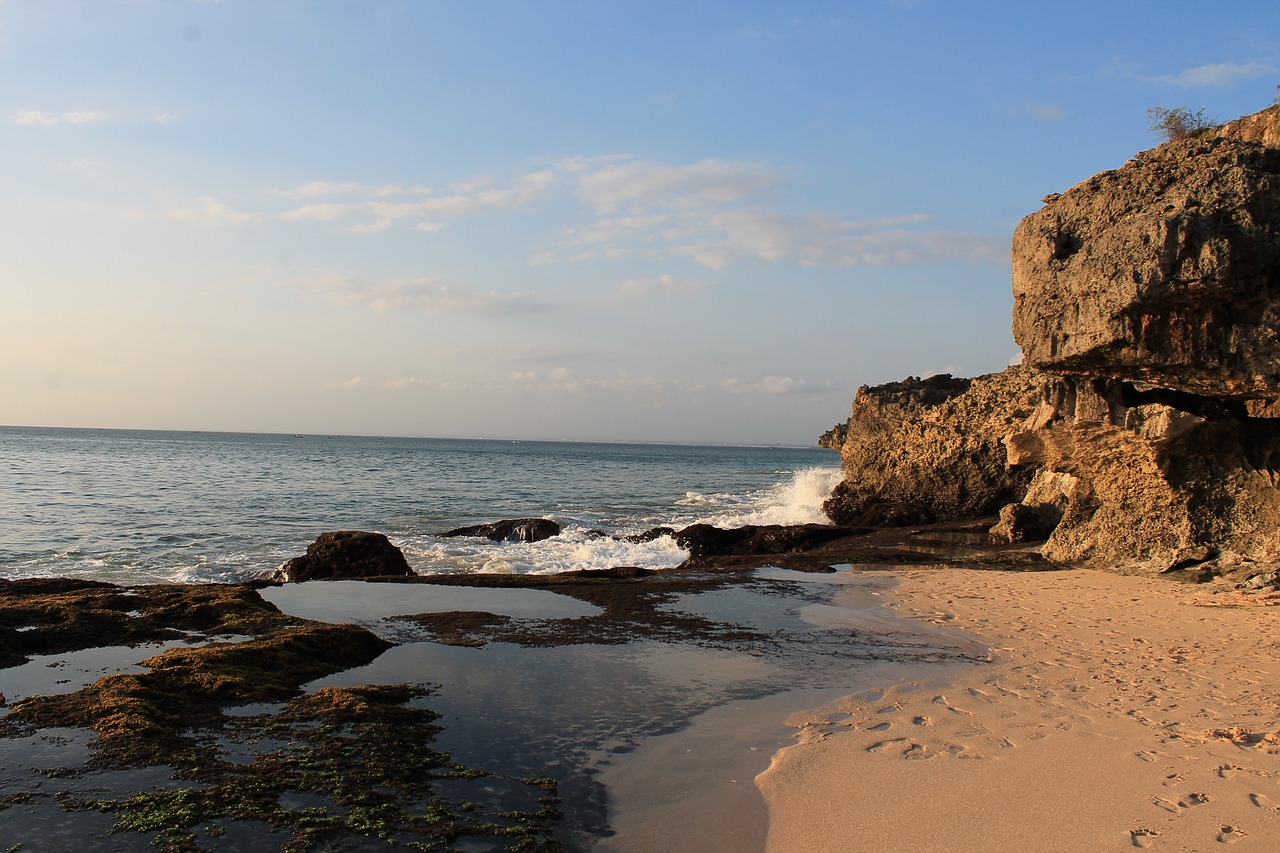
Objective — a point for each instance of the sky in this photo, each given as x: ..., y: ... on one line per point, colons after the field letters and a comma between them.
x: 625, y: 221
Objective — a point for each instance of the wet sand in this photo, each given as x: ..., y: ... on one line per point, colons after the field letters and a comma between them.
x: 1117, y: 713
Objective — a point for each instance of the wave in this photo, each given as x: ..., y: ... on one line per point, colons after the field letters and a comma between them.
x: 797, y: 500
x: 594, y: 543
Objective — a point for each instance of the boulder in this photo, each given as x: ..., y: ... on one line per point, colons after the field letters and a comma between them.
x: 1164, y: 273
x: 925, y: 450
x: 346, y: 554
x: 705, y: 540
x: 510, y: 530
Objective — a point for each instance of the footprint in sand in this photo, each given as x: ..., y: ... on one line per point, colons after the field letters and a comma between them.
x: 922, y: 721
x: 1226, y: 771
x: 1230, y: 834
x: 882, y: 727
x: 880, y: 746
x: 942, y: 700
x: 978, y: 694
x: 909, y: 749
x: 1142, y: 837
x: 1187, y: 802
x: 1262, y: 801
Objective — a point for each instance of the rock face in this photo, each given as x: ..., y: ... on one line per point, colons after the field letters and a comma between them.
x: 926, y: 450
x: 511, y: 530
x: 1137, y: 482
x: 1165, y: 272
x: 1143, y: 429
x: 346, y: 554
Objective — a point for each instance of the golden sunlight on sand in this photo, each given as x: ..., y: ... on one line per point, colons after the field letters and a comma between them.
x: 1117, y: 713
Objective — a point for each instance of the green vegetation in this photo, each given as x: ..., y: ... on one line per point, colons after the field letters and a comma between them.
x: 326, y: 768
x: 1174, y: 123
x: 359, y: 756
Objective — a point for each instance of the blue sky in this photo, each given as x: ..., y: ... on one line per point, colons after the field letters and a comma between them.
x: 660, y: 221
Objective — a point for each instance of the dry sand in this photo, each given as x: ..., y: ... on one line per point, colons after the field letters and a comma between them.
x: 1117, y: 713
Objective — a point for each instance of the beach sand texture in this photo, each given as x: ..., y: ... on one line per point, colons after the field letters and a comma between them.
x: 1117, y: 713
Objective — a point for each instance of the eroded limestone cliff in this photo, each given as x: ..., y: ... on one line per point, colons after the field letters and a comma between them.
x: 1140, y: 430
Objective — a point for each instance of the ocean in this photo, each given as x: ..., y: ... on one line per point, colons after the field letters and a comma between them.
x: 153, y: 507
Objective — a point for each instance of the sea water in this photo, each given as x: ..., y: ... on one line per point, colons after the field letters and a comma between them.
x: 146, y: 507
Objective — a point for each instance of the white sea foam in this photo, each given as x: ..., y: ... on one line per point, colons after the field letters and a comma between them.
x: 575, y: 548
x: 797, y: 500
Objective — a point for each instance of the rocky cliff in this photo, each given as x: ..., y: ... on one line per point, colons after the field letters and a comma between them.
x: 1139, y: 431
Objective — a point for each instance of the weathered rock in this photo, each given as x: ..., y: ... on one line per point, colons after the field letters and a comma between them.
x: 1139, y: 482
x: 1163, y: 273
x: 346, y: 554
x: 932, y: 449
x: 511, y: 530
x: 1024, y: 523
x: 705, y: 540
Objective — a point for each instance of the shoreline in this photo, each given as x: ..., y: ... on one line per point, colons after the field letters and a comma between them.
x: 1119, y: 712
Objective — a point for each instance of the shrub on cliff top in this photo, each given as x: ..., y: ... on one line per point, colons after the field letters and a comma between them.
x: 1175, y: 123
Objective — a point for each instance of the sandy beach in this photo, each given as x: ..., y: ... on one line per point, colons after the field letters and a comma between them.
x: 1116, y: 713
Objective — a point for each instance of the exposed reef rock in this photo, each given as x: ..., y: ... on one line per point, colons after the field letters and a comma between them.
x: 1143, y: 428
x: 706, y: 540
x: 346, y: 554
x: 510, y: 530
x: 926, y: 450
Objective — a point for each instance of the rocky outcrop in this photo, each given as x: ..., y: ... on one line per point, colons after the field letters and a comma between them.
x: 926, y: 450
x: 346, y: 554
x: 1162, y: 273
x: 1143, y: 428
x: 510, y: 530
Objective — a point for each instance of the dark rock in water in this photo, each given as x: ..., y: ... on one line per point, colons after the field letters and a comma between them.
x: 650, y: 535
x: 511, y: 530
x: 705, y: 540
x: 616, y: 573
x: 346, y: 555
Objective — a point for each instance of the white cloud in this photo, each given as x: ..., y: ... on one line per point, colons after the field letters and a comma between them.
x: 210, y: 211
x: 542, y: 259
x: 1222, y: 74
x: 426, y: 295
x: 326, y: 212
x: 665, y: 285
x: 774, y: 385
x: 714, y: 213
x: 470, y: 199
x: 321, y: 188
x: 371, y: 227
x: 613, y: 184
x: 36, y: 118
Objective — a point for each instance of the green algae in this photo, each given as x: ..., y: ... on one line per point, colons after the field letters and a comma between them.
x: 323, y: 768
x: 361, y: 755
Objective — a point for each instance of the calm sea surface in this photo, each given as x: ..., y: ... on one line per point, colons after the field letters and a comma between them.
x: 140, y: 506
